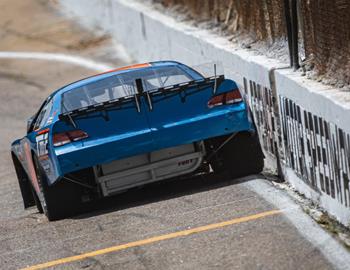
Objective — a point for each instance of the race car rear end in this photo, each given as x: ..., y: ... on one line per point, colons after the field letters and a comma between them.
x: 133, y: 126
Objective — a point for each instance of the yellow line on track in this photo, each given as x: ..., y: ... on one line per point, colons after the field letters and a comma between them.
x: 153, y: 240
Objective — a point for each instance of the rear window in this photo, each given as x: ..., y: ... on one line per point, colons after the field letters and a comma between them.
x: 122, y: 85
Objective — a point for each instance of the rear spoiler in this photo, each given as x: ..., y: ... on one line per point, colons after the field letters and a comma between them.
x: 121, y: 103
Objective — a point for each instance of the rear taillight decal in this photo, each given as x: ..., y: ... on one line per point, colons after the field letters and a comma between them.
x: 225, y: 98
x: 63, y: 138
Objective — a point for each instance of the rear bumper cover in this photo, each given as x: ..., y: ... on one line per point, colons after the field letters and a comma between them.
x: 150, y: 167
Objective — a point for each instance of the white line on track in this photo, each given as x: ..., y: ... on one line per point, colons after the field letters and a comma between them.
x: 58, y: 57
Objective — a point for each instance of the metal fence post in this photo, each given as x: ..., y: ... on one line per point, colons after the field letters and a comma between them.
x: 289, y: 29
x: 295, y: 30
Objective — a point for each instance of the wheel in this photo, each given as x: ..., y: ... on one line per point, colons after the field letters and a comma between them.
x: 243, y: 155
x: 240, y: 156
x: 59, y: 200
x: 37, y: 201
x: 24, y: 183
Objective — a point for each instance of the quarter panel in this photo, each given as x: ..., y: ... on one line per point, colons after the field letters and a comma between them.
x: 186, y: 118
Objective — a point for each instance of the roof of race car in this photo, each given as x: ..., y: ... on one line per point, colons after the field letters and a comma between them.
x: 114, y: 72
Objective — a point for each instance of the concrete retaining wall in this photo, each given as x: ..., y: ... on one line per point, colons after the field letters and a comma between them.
x: 302, y: 124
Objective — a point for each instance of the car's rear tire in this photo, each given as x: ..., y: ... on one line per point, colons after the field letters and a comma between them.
x: 60, y: 200
x: 37, y: 201
x: 240, y: 156
x: 243, y: 156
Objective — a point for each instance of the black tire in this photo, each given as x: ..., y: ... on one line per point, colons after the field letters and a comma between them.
x: 37, y: 201
x: 60, y: 200
x: 242, y: 155
x: 24, y: 183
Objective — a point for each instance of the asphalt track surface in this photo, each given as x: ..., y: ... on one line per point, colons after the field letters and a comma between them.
x: 210, y: 222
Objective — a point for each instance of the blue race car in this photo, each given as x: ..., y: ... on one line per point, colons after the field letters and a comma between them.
x: 128, y: 127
